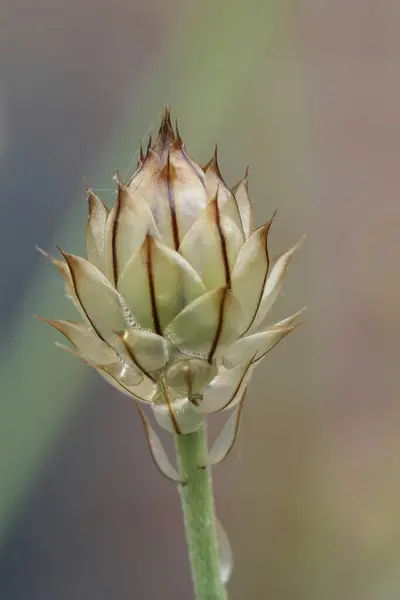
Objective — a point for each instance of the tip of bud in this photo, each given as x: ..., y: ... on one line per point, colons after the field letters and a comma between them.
x: 166, y: 135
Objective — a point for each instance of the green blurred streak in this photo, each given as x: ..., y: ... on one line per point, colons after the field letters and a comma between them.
x: 204, y: 76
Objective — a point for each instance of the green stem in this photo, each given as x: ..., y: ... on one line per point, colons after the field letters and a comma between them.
x: 198, y: 509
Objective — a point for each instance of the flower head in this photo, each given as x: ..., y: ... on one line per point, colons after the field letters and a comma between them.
x: 176, y: 287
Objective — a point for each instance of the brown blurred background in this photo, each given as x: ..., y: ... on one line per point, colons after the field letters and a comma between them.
x: 307, y: 92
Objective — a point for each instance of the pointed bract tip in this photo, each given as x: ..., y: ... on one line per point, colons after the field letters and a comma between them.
x: 270, y: 221
x: 42, y: 319
x: 57, y: 324
x: 59, y: 264
x: 178, y: 143
x: 69, y: 258
x: 166, y: 134
x: 43, y: 252
x: 117, y: 178
x: 121, y: 188
x: 292, y: 321
x: 213, y: 166
x: 178, y: 135
x: 74, y: 352
x: 214, y: 160
x: 148, y: 146
x: 299, y: 243
x: 300, y: 312
x: 91, y: 199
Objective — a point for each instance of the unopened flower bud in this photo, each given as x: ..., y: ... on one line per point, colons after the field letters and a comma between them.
x: 176, y: 287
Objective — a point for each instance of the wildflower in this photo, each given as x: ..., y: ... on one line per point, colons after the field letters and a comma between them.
x: 175, y: 291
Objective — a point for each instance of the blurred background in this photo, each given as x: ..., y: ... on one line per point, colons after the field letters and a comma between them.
x: 307, y: 92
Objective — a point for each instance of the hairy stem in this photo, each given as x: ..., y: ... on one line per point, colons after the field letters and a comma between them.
x: 198, y: 509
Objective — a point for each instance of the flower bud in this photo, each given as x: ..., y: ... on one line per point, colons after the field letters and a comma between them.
x: 176, y: 287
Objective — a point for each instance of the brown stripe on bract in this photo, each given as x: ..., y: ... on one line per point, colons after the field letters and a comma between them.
x: 58, y: 325
x: 232, y: 398
x: 289, y: 330
x: 168, y: 175
x: 218, y: 331
x: 222, y: 239
x: 148, y: 146
x: 133, y: 357
x: 68, y: 258
x: 237, y: 425
x: 148, y: 244
x: 141, y: 155
x: 114, y: 232
x: 171, y: 411
x: 266, y: 229
x: 213, y: 166
x: 64, y: 270
x: 178, y: 136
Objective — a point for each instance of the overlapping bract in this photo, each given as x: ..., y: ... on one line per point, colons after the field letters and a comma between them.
x: 175, y: 288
